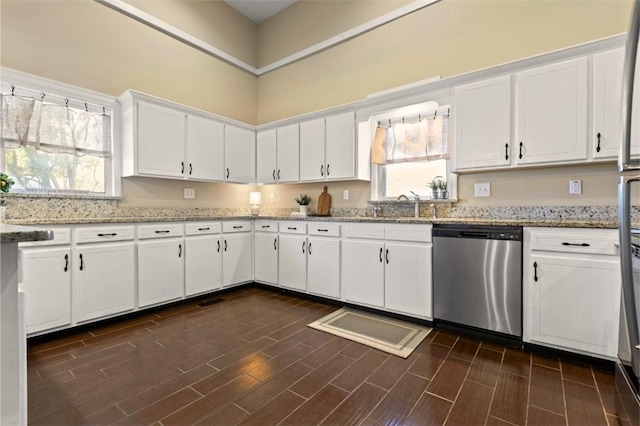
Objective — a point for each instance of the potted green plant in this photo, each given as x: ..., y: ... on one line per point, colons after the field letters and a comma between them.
x: 303, y: 201
x: 5, y: 183
x: 438, y: 188
x: 442, y: 188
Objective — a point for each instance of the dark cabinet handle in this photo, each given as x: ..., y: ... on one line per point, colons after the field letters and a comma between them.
x: 225, y: 245
x: 520, y: 156
x: 227, y: 173
x: 303, y: 244
x: 535, y: 271
x: 309, y: 247
x: 380, y: 254
x: 162, y: 232
x: 237, y: 227
x: 66, y: 262
x: 576, y: 244
x: 266, y: 226
x: 203, y: 229
x: 190, y: 169
x: 274, y: 174
x: 506, y: 151
x: 321, y: 169
x: 292, y: 228
x: 179, y: 250
x: 107, y: 235
x: 278, y: 174
x: 598, y: 147
x: 218, y: 246
x: 386, y: 256
x: 328, y: 169
x: 182, y: 166
x: 323, y: 230
x: 275, y: 247
x: 81, y: 262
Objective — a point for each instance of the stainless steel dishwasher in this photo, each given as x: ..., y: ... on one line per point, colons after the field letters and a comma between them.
x: 477, y: 277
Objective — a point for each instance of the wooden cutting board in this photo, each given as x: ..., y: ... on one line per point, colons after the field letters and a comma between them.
x: 324, y: 203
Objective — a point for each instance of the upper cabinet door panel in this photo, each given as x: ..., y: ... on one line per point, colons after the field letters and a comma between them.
x: 240, y: 155
x: 340, y: 146
x: 266, y: 164
x: 483, y: 124
x: 161, y: 141
x: 288, y: 154
x: 312, y: 138
x: 205, y: 149
x: 607, y: 101
x: 552, y: 113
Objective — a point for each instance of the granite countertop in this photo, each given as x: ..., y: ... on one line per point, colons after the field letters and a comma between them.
x: 20, y: 234
x: 569, y: 223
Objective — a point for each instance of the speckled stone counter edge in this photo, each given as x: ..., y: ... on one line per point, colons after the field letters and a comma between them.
x: 20, y: 234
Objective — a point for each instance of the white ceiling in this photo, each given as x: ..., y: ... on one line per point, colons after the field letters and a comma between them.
x: 259, y: 10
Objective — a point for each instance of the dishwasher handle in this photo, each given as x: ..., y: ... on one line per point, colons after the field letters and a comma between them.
x: 473, y: 234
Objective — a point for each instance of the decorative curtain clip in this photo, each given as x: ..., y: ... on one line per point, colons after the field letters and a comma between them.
x: 13, y: 88
x: 419, y: 119
x: 389, y: 122
x: 448, y: 111
x: 86, y: 107
x: 66, y: 102
x: 104, y: 111
x: 402, y: 120
x: 435, y: 114
x: 42, y: 95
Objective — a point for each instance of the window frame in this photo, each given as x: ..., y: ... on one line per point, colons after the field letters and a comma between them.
x: 77, y: 96
x: 432, y: 105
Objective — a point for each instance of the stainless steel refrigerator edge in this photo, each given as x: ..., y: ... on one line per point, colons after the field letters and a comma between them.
x: 628, y: 363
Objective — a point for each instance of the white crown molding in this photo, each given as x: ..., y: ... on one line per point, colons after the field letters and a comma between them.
x: 165, y: 28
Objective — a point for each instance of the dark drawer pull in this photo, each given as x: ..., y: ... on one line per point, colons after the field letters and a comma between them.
x: 81, y: 262
x: 323, y: 230
x: 162, y: 232
x: 535, y: 271
x: 266, y: 226
x: 576, y: 244
x: 203, y: 229
x: 66, y: 262
x: 292, y: 228
x: 237, y: 227
x: 107, y: 235
x: 179, y: 250
x: 218, y: 246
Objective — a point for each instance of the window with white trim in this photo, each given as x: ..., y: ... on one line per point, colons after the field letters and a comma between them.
x: 410, y: 149
x: 54, y: 144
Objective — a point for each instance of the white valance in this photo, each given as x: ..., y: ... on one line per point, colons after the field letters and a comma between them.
x: 54, y: 128
x: 401, y: 142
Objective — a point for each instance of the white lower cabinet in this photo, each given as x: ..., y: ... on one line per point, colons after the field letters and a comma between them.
x: 323, y: 271
x: 266, y: 258
x: 160, y: 271
x: 407, y: 278
x: 292, y: 262
x: 203, y: 264
x: 363, y: 272
x: 236, y: 258
x: 572, y: 289
x: 46, y: 281
x: 103, y: 280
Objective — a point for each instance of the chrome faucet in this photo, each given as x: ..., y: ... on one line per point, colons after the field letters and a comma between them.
x: 416, y: 199
x: 377, y: 211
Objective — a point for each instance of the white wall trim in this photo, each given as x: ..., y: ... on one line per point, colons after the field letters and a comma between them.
x: 171, y: 31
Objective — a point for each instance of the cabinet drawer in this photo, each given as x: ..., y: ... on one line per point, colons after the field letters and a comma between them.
x: 369, y: 231
x: 60, y: 236
x: 293, y: 227
x: 100, y: 234
x: 576, y: 242
x: 323, y: 228
x: 202, y: 228
x: 236, y: 226
x: 160, y: 230
x: 419, y: 233
x: 266, y: 226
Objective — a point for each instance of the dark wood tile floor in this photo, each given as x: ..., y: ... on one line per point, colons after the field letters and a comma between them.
x: 251, y: 360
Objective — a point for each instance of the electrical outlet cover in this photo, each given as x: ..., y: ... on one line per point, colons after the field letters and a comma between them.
x: 575, y: 187
x: 482, y: 189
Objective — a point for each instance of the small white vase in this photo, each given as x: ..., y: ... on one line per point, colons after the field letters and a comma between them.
x: 304, y: 209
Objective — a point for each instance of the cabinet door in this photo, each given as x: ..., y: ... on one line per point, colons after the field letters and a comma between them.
x: 266, y: 164
x: 266, y: 258
x: 205, y: 149
x: 312, y: 165
x: 292, y: 262
x: 237, y: 261
x: 202, y: 264
x: 607, y: 91
x: 552, y: 113
x: 341, y: 146
x: 161, y: 141
x: 288, y: 154
x: 103, y: 280
x: 574, y: 303
x: 407, y: 287
x: 323, y: 267
x: 483, y: 124
x: 46, y: 282
x: 160, y: 271
x: 240, y: 155
x: 363, y: 272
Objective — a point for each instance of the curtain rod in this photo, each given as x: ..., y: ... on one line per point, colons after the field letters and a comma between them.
x: 65, y: 100
x: 426, y: 115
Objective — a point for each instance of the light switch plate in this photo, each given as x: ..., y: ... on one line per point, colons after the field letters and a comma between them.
x: 189, y: 193
x: 272, y: 196
x: 482, y: 189
x: 575, y: 187
x: 345, y: 194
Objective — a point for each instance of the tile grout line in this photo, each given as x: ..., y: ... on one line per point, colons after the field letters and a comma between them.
x: 495, y: 387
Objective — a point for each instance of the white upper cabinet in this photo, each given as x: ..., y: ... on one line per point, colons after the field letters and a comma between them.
x: 551, y: 107
x: 240, y: 155
x: 288, y: 149
x: 266, y: 157
x: 312, y: 135
x: 340, y: 160
x: 483, y: 124
x: 160, y: 141
x: 205, y: 149
x: 607, y: 101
